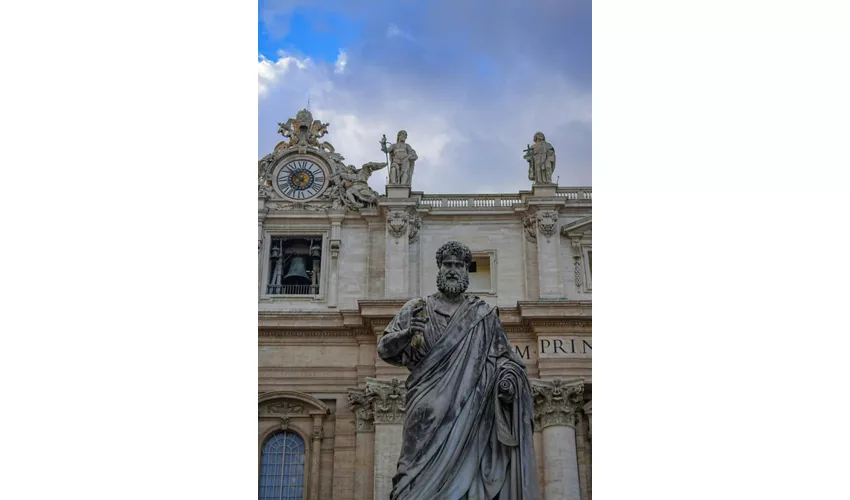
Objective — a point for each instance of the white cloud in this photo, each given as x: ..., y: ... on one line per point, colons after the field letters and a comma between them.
x: 463, y: 146
x: 341, y: 62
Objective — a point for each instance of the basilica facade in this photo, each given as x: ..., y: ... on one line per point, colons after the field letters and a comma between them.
x: 337, y: 261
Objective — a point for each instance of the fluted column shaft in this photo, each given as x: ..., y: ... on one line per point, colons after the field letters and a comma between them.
x: 556, y: 407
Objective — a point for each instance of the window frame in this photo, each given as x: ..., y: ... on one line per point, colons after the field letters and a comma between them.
x: 306, y: 462
x: 322, y: 232
x: 492, y: 256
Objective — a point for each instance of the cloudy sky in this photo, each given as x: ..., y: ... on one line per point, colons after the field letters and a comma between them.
x: 470, y: 81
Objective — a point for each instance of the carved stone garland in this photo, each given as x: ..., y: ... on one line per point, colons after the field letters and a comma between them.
x: 557, y: 402
x: 576, y: 246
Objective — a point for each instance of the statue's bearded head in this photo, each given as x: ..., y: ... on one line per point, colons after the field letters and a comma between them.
x: 539, y: 137
x: 402, y: 136
x: 453, y: 261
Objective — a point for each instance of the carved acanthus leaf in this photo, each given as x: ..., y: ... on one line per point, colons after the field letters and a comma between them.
x: 557, y: 402
x: 389, y: 400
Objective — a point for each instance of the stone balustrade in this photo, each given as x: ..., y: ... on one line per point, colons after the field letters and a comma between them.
x: 495, y: 201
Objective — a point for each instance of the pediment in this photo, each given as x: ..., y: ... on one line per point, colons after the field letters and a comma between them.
x: 291, y: 403
x: 578, y: 229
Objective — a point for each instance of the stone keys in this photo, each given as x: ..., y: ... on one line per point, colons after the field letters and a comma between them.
x: 541, y: 160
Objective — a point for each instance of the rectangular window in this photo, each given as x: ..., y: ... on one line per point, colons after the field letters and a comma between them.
x: 295, y: 265
x: 482, y: 277
x: 588, y: 267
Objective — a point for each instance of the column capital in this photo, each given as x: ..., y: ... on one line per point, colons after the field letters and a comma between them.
x: 361, y: 404
x: 557, y: 402
x: 389, y: 398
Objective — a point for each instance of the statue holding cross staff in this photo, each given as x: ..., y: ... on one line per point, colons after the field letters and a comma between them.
x: 541, y: 160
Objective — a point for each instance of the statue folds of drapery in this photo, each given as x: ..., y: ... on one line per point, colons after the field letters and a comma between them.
x: 468, y: 422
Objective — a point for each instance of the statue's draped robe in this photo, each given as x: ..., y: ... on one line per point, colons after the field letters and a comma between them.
x: 460, y: 441
x: 543, y: 161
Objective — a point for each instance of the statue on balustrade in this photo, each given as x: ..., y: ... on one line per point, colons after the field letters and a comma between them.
x: 467, y: 431
x: 402, y: 158
x: 541, y: 160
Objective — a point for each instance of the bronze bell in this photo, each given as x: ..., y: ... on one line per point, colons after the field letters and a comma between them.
x: 297, y: 274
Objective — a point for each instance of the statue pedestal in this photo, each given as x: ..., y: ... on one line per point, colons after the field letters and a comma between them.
x: 399, y: 191
x: 544, y: 190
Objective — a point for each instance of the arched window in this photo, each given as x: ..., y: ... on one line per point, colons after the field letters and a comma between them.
x: 282, y: 467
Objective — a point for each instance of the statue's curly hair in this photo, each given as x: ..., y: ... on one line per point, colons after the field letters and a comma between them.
x: 454, y: 248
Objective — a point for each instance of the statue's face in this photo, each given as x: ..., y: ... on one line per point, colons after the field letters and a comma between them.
x: 453, y: 276
x: 402, y: 136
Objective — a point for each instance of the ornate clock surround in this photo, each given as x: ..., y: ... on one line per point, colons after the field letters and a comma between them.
x: 286, y: 159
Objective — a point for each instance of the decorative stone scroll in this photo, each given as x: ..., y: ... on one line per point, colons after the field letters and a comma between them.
x: 364, y: 415
x: 389, y: 399
x: 557, y: 402
x: 528, y: 223
x: 415, y: 222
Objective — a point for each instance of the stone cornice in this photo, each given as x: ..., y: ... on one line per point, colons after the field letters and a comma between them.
x: 306, y: 333
x: 373, y: 314
x: 546, y: 309
x: 557, y: 402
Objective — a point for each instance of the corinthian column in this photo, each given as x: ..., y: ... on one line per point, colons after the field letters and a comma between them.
x: 556, y: 410
x: 364, y: 454
x: 388, y: 399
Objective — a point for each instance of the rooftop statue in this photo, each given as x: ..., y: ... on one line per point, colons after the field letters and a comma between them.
x: 541, y: 160
x: 353, y: 189
x: 467, y: 431
x: 402, y: 158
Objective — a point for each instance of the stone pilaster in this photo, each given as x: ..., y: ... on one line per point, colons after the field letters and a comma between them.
x: 318, y: 435
x: 397, y: 257
x: 557, y: 407
x: 364, y: 455
x: 388, y: 402
x: 334, y: 243
x: 548, y: 253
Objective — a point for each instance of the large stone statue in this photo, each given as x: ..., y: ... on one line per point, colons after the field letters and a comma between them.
x: 353, y: 185
x: 541, y: 160
x: 402, y: 158
x: 467, y: 430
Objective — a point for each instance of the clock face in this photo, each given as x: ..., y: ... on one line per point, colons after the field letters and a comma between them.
x: 301, y: 179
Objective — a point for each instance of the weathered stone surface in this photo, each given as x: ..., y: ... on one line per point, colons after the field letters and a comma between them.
x: 541, y: 160
x: 467, y: 391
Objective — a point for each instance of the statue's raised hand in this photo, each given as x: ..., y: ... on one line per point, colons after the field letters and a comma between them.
x: 417, y: 327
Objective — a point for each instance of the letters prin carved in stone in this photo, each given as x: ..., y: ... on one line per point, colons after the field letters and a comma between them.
x: 557, y: 402
x: 390, y: 398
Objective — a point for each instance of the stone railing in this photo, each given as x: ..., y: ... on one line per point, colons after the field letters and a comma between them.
x: 495, y: 201
x: 575, y: 193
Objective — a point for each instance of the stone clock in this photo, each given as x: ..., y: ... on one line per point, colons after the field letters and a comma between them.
x: 301, y: 178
